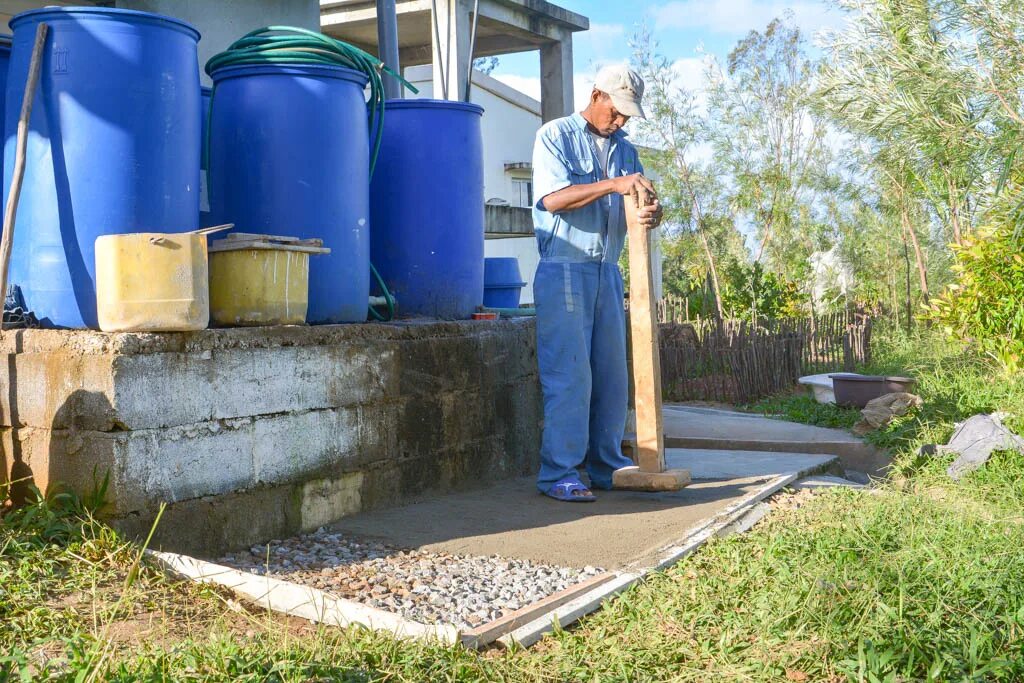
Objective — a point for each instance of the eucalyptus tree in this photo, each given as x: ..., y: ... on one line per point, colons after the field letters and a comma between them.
x: 772, y: 143
x: 674, y: 133
x: 904, y: 73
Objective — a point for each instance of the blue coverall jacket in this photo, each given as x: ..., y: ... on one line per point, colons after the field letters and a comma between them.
x: 578, y: 293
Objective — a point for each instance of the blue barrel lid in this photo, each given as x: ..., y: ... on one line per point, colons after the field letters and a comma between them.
x: 127, y: 15
x: 320, y: 70
x: 433, y: 104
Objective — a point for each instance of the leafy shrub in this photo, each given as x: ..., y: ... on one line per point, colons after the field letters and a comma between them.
x: 984, y: 307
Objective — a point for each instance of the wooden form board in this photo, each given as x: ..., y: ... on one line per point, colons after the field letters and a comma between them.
x: 643, y: 322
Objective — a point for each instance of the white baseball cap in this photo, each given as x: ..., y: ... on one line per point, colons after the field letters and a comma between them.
x: 624, y: 86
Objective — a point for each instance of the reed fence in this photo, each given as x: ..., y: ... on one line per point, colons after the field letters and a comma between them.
x: 735, y: 361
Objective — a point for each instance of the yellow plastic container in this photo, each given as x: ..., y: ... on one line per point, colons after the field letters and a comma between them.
x: 260, y: 279
x: 152, y: 282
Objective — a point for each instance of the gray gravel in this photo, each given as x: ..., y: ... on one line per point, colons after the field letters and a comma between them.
x: 426, y: 587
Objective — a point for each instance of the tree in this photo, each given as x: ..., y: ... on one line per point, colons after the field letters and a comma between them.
x: 674, y: 129
x: 770, y: 142
x: 900, y: 75
x: 485, y: 65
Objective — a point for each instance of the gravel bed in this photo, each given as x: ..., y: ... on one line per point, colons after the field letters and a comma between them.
x: 423, y: 586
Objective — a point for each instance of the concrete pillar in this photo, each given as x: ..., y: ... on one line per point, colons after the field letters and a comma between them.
x: 556, y: 97
x: 225, y: 21
x: 450, y: 29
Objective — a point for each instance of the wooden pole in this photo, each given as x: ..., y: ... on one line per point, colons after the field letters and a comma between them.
x: 11, y: 210
x: 650, y: 435
x: 650, y: 475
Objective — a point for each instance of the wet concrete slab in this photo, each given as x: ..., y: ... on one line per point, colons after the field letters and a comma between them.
x: 620, y: 530
x: 711, y: 428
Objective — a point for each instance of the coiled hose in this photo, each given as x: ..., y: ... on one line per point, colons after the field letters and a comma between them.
x: 288, y: 45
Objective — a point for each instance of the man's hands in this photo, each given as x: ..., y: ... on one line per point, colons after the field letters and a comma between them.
x: 636, y: 185
x: 576, y: 196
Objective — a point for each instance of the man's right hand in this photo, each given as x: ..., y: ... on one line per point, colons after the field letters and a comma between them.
x: 633, y: 184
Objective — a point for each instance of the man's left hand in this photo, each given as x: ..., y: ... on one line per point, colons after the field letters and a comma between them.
x: 650, y: 216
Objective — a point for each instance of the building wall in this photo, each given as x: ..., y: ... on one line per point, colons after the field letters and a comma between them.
x: 225, y: 21
x: 8, y: 8
x: 220, y: 22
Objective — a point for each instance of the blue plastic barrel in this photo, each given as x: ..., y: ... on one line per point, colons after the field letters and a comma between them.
x: 113, y: 146
x: 427, y: 208
x: 289, y: 155
x: 502, y: 282
x: 205, y: 221
x: 5, y: 60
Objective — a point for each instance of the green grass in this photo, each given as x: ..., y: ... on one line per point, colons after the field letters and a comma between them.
x: 923, y: 580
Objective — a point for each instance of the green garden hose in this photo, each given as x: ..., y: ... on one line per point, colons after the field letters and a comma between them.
x: 288, y: 45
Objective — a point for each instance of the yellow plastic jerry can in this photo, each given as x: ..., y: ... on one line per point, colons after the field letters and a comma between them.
x: 152, y: 282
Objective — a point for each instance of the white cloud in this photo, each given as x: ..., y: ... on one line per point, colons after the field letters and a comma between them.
x: 734, y: 17
x: 602, y: 39
x: 689, y: 73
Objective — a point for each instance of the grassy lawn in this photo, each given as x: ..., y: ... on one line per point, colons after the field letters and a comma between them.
x: 923, y: 580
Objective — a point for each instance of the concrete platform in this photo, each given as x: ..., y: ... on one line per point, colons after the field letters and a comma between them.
x: 687, y: 427
x: 255, y: 433
x: 621, y: 530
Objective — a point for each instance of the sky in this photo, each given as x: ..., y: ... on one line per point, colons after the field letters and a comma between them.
x: 684, y: 29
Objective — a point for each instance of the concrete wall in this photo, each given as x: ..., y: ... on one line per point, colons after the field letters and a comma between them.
x: 224, y: 21
x: 254, y: 434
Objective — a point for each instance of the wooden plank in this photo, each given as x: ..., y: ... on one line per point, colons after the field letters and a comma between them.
x: 255, y: 237
x: 643, y: 322
x: 240, y: 245
x: 491, y: 631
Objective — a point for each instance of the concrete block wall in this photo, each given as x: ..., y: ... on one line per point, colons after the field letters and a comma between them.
x: 249, y: 434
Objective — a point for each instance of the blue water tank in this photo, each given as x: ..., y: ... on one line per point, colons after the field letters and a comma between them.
x: 427, y: 208
x: 503, y: 283
x: 5, y: 60
x: 205, y: 221
x: 113, y: 147
x: 289, y: 155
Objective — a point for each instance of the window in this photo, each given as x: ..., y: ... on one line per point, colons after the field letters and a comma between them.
x: 522, y: 192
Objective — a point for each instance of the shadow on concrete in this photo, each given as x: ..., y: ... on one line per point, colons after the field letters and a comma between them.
x: 34, y: 458
x: 17, y: 476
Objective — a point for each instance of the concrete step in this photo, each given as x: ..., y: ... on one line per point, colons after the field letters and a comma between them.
x: 723, y: 430
x: 717, y: 464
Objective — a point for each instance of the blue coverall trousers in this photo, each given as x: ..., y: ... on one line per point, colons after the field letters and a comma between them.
x: 581, y: 351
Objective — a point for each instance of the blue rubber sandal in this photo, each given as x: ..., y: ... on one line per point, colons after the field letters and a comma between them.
x: 570, y: 490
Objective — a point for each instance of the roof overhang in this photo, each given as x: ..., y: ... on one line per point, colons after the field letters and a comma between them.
x: 504, y: 26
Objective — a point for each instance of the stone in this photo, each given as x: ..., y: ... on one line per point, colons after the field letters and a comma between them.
x: 423, y: 586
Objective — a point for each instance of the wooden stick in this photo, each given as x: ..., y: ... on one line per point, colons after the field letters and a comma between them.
x: 650, y: 435
x: 11, y: 211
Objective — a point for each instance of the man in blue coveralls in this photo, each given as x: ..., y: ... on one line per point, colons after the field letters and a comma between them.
x: 582, y: 167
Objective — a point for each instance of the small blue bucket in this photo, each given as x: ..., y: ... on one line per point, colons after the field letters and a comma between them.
x: 503, y: 284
